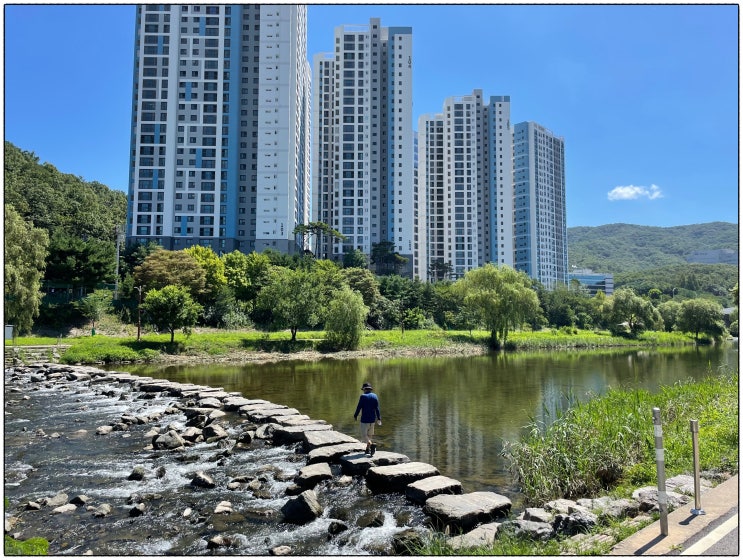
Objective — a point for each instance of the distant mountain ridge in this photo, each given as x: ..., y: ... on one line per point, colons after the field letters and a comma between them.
x: 618, y: 248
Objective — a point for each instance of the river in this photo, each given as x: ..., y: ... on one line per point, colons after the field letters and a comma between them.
x: 453, y: 413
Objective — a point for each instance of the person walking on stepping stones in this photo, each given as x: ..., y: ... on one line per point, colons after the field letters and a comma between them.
x: 369, y: 408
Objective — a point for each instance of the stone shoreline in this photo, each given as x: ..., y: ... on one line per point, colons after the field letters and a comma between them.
x: 475, y: 518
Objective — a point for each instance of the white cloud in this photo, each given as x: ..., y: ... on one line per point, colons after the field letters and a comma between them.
x: 631, y: 192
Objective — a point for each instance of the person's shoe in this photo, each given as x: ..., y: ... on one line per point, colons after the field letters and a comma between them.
x: 368, y: 450
x: 373, y: 449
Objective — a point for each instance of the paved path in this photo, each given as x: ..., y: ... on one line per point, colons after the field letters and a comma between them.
x: 692, y: 535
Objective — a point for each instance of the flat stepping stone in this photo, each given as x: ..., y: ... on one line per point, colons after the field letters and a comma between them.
x: 420, y: 490
x: 214, y: 394
x: 395, y: 478
x: 319, y: 438
x: 297, y: 420
x: 333, y: 453
x: 359, y: 463
x: 292, y: 434
x: 463, y: 512
x: 258, y: 406
x: 210, y: 402
x: 265, y: 415
x: 311, y: 475
x: 234, y: 402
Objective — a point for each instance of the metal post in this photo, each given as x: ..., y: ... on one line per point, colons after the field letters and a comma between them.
x: 660, y: 462
x: 697, y: 509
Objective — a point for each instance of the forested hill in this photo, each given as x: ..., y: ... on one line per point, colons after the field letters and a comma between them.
x: 623, y: 248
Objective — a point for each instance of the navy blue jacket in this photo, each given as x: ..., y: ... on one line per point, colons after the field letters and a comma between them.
x: 369, y: 407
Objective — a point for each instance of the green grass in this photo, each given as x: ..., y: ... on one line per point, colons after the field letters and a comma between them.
x: 215, y: 343
x: 607, y: 443
x: 35, y: 546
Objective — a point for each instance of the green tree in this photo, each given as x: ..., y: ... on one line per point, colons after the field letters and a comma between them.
x: 354, y: 259
x: 163, y: 268
x: 439, y: 270
x: 214, y: 270
x: 345, y: 319
x: 701, y: 316
x: 95, y: 305
x: 171, y: 308
x: 80, y: 262
x: 25, y: 254
x: 292, y: 299
x: 669, y: 311
x: 386, y: 259
x: 502, y: 298
x: 627, y: 308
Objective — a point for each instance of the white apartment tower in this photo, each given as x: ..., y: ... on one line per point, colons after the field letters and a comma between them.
x: 540, y: 223
x: 465, y: 186
x: 362, y: 155
x: 220, y: 127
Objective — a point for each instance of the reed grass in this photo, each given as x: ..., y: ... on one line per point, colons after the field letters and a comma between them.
x: 608, y: 444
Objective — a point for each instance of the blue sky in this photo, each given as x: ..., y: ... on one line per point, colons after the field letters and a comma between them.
x: 646, y: 96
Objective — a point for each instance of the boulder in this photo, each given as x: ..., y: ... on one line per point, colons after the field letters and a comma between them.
x: 408, y: 541
x: 210, y: 402
x: 336, y: 527
x: 203, y: 480
x: 647, y: 497
x: 55, y: 501
x: 137, y: 510
x: 394, y: 478
x: 684, y: 484
x: 169, y: 440
x: 484, y: 535
x: 282, y: 550
x: 214, y: 432
x: 534, y: 530
x: 103, y: 510
x: 465, y: 511
x: 311, y: 475
x: 608, y: 508
x: 580, y: 520
x: 103, y: 430
x: 302, y: 508
x: 137, y: 473
x: 373, y: 518
x: 223, y: 507
x: 66, y: 508
x: 420, y: 490
x: 540, y: 515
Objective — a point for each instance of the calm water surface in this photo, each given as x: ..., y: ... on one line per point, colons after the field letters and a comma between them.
x: 455, y: 413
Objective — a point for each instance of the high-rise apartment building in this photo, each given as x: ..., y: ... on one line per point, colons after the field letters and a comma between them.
x: 362, y: 154
x: 540, y: 223
x: 465, y: 185
x: 220, y: 127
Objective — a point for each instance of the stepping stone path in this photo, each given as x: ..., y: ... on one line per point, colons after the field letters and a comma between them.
x: 385, y: 472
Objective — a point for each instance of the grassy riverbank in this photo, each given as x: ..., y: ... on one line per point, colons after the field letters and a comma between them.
x: 255, y: 346
x: 606, y: 446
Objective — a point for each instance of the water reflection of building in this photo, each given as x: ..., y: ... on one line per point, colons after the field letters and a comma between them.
x: 594, y: 282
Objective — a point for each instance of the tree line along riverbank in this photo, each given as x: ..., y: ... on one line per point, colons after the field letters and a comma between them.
x: 250, y: 346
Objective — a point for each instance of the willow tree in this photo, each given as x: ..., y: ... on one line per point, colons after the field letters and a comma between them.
x: 25, y: 257
x: 500, y: 297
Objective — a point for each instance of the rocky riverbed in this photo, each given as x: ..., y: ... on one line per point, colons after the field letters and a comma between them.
x: 109, y: 463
